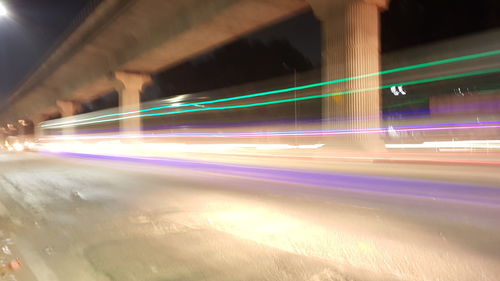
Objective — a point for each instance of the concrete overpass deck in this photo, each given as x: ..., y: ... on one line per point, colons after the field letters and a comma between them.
x: 138, y: 36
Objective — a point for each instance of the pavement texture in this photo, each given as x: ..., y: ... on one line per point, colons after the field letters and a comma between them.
x: 65, y: 217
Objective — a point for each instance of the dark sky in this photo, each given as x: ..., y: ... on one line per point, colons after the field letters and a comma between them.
x: 303, y: 32
x: 35, y: 25
x: 27, y: 35
x: 414, y: 22
x: 405, y: 24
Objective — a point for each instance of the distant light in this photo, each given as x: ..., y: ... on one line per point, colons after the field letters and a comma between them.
x: 394, y: 91
x: 468, y: 144
x: 18, y: 147
x: 398, y: 90
x: 3, y: 10
x: 401, y: 90
x: 30, y: 145
x: 177, y: 99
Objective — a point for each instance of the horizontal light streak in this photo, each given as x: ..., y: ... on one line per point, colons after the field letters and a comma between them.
x: 414, y: 82
x: 303, y: 133
x: 469, y: 144
x: 419, y: 188
x: 395, y: 70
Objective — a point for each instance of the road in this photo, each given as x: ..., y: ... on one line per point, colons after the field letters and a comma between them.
x: 69, y: 218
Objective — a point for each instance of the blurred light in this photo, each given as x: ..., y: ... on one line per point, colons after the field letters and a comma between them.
x: 397, y: 90
x: 18, y: 147
x: 394, y: 91
x: 392, y: 130
x: 401, y: 90
x: 411, y: 67
x: 30, y: 145
x: 469, y: 144
x: 414, y: 82
x: 177, y: 99
x: 156, y: 149
x: 416, y: 101
x: 3, y: 10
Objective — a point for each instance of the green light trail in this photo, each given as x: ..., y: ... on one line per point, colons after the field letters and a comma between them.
x: 417, y: 101
x: 384, y: 72
x: 408, y: 83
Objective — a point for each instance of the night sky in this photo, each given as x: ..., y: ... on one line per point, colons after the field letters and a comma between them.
x: 29, y: 34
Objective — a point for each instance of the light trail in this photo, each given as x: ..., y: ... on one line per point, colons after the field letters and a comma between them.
x: 483, y: 144
x: 425, y: 189
x: 301, y: 133
x: 423, y: 100
x: 408, y: 83
x: 417, y: 101
x: 395, y: 70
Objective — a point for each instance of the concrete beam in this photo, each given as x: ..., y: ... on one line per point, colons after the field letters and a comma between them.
x: 139, y: 36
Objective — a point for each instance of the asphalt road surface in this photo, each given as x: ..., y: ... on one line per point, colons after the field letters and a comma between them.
x: 70, y: 218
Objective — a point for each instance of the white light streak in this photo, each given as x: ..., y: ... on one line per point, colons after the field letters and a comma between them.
x: 470, y: 144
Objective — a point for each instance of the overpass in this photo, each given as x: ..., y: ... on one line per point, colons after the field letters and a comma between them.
x: 123, y: 42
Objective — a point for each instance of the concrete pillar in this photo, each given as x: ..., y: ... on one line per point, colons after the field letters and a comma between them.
x: 129, y: 88
x: 68, y: 109
x: 351, y: 47
x: 36, y: 120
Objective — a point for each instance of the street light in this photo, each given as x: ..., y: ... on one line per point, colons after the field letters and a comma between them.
x: 3, y: 10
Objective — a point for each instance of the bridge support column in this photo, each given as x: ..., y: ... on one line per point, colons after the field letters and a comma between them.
x: 68, y: 109
x: 129, y: 89
x: 351, y: 47
x: 36, y: 120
